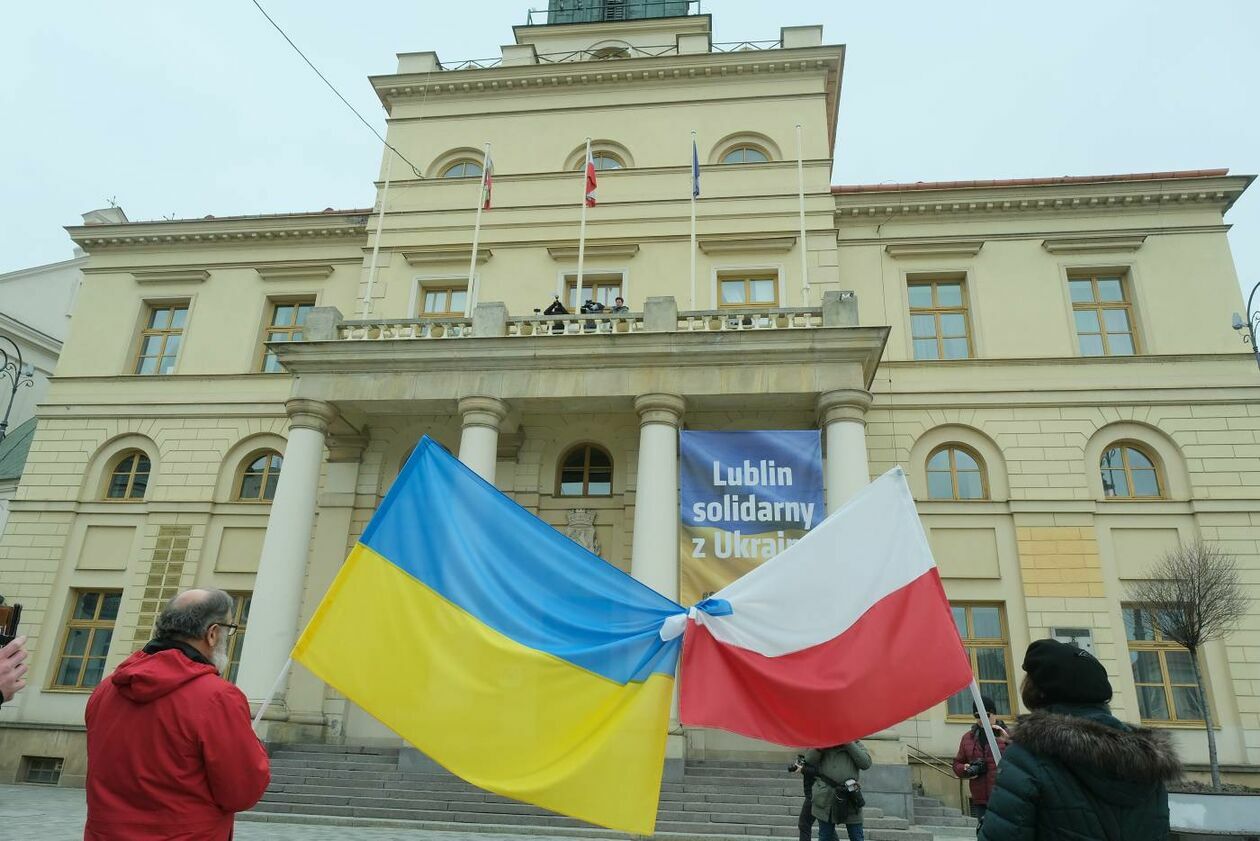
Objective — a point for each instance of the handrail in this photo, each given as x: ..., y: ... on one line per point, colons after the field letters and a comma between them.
x: 939, y: 766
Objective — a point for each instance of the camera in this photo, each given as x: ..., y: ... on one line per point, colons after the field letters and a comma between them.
x: 798, y: 764
x: 977, y: 768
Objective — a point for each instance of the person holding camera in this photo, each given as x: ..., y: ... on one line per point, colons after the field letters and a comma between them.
x: 974, y: 761
x: 805, y: 821
x: 836, y: 796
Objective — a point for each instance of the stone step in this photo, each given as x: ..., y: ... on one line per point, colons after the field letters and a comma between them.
x: 946, y: 820
x: 349, y: 760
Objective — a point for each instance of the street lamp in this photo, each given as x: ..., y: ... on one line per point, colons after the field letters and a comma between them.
x: 1251, y: 324
x: 19, y: 374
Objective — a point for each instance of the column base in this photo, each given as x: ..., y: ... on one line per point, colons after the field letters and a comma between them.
x: 293, y: 733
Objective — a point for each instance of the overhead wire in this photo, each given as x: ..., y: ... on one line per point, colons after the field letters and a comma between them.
x: 333, y: 88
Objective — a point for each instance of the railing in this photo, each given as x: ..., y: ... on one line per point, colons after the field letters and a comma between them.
x: 744, y: 46
x: 940, y: 766
x: 428, y: 328
x: 571, y: 325
x: 613, y: 12
x: 718, y: 321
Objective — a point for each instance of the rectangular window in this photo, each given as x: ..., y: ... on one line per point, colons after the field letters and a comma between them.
x: 288, y: 320
x: 748, y: 290
x: 161, y: 337
x: 446, y: 301
x: 938, y: 319
x: 603, y: 288
x: 984, y: 634
x: 236, y: 642
x: 87, y: 637
x: 41, y: 770
x: 1103, y: 315
x: 1163, y: 672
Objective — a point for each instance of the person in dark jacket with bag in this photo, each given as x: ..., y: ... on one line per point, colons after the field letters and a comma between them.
x: 837, y: 797
x: 1073, y: 771
x: 974, y: 760
x: 172, y: 755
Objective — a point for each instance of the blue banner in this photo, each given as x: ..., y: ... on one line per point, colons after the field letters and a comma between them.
x: 744, y: 497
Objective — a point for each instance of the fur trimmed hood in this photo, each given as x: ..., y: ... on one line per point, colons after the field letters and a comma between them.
x: 1092, y: 738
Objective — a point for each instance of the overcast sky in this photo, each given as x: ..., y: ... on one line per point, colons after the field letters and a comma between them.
x: 192, y: 108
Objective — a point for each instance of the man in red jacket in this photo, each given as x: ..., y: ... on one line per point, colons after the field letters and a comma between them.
x: 974, y: 761
x: 172, y: 755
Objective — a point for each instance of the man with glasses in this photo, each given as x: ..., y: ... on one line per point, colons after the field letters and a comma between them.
x: 171, y: 749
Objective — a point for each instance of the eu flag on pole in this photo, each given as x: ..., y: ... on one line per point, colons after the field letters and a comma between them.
x: 500, y: 648
x: 695, y: 171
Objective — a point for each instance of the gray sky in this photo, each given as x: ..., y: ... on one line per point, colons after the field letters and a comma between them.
x: 191, y: 108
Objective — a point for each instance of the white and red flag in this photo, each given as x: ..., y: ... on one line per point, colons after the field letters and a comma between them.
x: 841, y: 635
x: 590, y: 178
x: 487, y: 180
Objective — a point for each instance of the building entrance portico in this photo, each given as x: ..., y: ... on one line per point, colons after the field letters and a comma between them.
x: 514, y: 408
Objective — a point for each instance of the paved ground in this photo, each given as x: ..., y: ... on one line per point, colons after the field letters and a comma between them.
x: 57, y: 814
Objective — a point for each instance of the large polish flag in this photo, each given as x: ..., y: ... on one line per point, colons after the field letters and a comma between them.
x: 591, y: 183
x: 841, y: 635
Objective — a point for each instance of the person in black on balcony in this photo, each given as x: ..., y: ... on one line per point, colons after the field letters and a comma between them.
x: 591, y: 307
x: 556, y: 308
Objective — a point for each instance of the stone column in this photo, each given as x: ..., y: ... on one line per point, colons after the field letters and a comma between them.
x: 277, y: 599
x: 479, y: 440
x: 654, y: 556
x: 842, y: 416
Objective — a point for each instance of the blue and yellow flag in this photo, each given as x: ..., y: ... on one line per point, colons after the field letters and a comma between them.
x: 500, y: 648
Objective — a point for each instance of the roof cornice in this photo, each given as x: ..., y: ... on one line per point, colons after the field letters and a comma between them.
x: 1217, y: 191
x: 233, y: 230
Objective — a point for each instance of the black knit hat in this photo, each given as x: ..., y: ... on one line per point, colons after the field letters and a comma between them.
x: 989, y: 706
x: 1066, y: 673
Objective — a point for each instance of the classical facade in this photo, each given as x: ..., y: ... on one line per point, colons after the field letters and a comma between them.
x: 1050, y: 360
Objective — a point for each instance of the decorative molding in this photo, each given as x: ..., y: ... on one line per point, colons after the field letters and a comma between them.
x: 623, y: 250
x: 738, y: 244
x: 948, y: 248
x: 1090, y: 245
x: 172, y: 276
x: 509, y: 446
x: 445, y: 255
x: 229, y: 230
x: 580, y: 528
x: 303, y: 269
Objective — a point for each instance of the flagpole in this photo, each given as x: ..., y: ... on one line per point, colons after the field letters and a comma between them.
x: 472, y: 261
x: 800, y: 189
x: 582, y: 228
x: 275, y: 687
x: 978, y: 700
x: 376, y: 246
x: 692, y: 190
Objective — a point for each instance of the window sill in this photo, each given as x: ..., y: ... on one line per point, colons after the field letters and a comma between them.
x: 70, y: 690
x: 1176, y: 725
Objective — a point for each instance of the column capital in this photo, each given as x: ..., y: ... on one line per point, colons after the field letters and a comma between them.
x: 482, y: 411
x: 310, y: 414
x: 660, y: 408
x: 843, y: 404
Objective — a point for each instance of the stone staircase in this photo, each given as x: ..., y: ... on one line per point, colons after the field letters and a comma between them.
x: 932, y: 813
x: 363, y: 785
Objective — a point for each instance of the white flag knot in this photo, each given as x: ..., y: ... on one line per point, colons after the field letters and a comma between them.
x: 674, y: 625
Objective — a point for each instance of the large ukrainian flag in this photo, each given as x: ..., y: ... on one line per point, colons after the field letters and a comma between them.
x: 500, y: 648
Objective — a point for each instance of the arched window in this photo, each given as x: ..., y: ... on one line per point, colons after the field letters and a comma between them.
x: 585, y: 470
x: 604, y: 160
x: 955, y: 472
x: 259, y: 477
x: 745, y: 155
x: 130, y: 477
x: 463, y: 169
x: 1130, y: 472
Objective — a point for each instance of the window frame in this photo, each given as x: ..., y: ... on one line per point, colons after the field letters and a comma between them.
x: 1098, y: 307
x: 748, y: 277
x: 92, y: 625
x: 448, y: 287
x: 592, y: 281
x: 970, y: 643
x: 149, y: 309
x: 602, y: 154
x: 269, y: 327
x: 936, y: 310
x: 464, y: 162
x: 741, y: 147
x: 952, y: 447
x: 243, y: 471
x: 587, y: 447
x: 1161, y: 647
x: 242, y: 601
x: 112, y: 470
x: 1125, y: 444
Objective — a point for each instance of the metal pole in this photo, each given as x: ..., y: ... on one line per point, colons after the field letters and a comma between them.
x: 691, y: 188
x: 16, y: 376
x: 1252, y: 321
x: 472, y: 261
x: 800, y: 186
x: 582, y: 228
x: 376, y: 246
x: 984, y: 722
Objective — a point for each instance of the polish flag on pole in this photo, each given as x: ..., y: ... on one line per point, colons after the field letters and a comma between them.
x: 841, y: 635
x: 590, y: 177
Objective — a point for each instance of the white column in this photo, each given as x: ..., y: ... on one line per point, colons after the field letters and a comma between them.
x: 479, y: 439
x: 842, y: 415
x: 277, y: 599
x: 654, y: 556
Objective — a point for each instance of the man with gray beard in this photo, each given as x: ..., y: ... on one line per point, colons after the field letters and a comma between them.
x: 172, y: 754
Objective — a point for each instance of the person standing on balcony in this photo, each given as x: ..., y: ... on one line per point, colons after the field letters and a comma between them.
x: 974, y: 761
x: 619, y: 305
